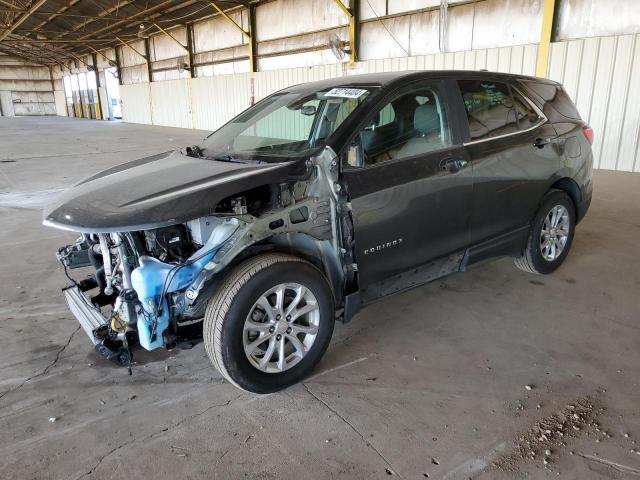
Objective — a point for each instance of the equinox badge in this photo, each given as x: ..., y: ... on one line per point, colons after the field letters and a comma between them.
x: 382, y: 246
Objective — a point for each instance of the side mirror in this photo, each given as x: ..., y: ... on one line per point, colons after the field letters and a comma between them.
x: 308, y: 110
x: 355, y: 157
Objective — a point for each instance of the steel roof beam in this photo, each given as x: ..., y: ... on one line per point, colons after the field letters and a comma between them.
x: 100, y: 15
x: 59, y: 11
x: 21, y: 19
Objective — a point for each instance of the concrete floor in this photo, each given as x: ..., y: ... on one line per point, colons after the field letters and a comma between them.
x: 426, y: 384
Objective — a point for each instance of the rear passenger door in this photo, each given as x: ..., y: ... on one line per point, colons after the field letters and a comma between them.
x: 411, y: 190
x: 514, y: 155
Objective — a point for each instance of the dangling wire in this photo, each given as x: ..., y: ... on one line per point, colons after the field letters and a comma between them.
x: 388, y: 31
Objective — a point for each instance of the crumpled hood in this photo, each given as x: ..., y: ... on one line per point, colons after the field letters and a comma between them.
x: 157, y: 191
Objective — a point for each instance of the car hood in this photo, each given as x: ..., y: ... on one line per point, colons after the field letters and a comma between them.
x: 157, y: 191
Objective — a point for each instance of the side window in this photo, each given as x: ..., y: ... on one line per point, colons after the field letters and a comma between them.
x: 414, y: 122
x: 490, y: 108
x: 526, y: 116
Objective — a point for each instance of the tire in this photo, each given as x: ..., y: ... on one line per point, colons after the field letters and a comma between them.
x: 239, y: 295
x: 537, y: 259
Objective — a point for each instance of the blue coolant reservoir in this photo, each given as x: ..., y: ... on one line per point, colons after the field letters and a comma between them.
x: 154, y: 277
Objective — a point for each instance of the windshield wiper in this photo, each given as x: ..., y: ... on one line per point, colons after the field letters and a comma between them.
x: 224, y: 158
x: 230, y: 158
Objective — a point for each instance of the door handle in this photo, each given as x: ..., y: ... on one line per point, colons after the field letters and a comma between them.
x: 453, y: 165
x: 541, y: 142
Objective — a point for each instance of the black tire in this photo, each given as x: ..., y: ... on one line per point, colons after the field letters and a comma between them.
x: 229, y: 307
x: 532, y: 260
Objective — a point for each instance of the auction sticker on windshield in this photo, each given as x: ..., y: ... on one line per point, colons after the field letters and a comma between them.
x: 345, y: 92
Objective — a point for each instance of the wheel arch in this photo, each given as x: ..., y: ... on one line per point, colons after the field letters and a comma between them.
x: 320, y: 253
x: 569, y: 186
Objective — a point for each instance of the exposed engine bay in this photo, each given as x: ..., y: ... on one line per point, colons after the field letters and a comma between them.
x: 145, y: 288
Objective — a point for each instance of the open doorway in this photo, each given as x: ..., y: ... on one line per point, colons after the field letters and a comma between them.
x: 114, y: 101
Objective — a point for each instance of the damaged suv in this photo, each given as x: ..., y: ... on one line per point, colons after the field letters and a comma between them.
x: 318, y: 199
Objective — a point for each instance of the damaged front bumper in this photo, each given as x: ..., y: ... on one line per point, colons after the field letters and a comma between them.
x: 142, y: 296
x: 89, y: 317
x: 96, y: 326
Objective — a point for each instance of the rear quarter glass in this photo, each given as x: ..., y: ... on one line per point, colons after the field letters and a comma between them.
x: 554, y: 95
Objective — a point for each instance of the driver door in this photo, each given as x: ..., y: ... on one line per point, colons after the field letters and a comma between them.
x: 409, y: 184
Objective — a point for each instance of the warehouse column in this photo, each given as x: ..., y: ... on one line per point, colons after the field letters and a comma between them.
x: 545, y: 38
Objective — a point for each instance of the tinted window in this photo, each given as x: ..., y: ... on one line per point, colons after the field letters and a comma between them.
x: 490, y: 108
x: 556, y: 95
x: 414, y: 122
x: 526, y: 116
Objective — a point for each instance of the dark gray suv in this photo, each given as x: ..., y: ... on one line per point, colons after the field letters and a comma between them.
x: 318, y: 199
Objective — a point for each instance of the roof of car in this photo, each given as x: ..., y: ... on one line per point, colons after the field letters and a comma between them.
x: 385, y: 78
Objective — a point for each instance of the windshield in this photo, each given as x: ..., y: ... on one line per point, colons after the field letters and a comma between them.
x: 284, y: 124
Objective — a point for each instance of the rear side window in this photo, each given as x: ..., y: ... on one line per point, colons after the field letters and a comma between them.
x: 565, y: 106
x: 556, y: 96
x: 526, y: 115
x: 490, y: 108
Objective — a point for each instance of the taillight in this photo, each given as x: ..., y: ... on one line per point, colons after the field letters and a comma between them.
x: 588, y: 133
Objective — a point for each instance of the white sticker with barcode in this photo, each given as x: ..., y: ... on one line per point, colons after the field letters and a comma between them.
x: 345, y: 92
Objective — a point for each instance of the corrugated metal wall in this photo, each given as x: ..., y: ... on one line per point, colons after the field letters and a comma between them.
x: 61, y: 103
x: 218, y: 99
x: 25, y: 89
x: 171, y: 103
x: 136, y: 103
x: 104, y: 101
x: 602, y: 75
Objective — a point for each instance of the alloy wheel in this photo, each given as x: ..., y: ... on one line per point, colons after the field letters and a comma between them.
x: 554, y: 233
x: 281, y: 327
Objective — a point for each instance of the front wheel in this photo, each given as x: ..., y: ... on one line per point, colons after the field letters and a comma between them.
x: 269, y: 323
x: 551, y: 234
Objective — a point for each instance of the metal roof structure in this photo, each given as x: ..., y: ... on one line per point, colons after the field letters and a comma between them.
x: 50, y: 32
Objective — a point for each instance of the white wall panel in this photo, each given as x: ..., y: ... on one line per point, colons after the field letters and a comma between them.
x: 602, y: 76
x: 61, y: 107
x: 104, y: 103
x: 171, y: 103
x: 283, y: 18
x: 163, y: 47
x: 629, y: 154
x: 217, y: 32
x: 597, y: 18
x: 130, y: 57
x: 506, y: 22
x: 6, y: 103
x: 136, y: 103
x: 216, y: 100
x: 136, y: 74
x: 617, y: 94
x: 372, y: 8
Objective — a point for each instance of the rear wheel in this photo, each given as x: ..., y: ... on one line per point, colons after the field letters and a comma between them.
x: 551, y: 235
x: 269, y: 323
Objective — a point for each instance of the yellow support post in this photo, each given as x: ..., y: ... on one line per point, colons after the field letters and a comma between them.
x: 229, y: 19
x: 353, y: 25
x: 249, y: 34
x: 127, y: 45
x: 170, y: 36
x: 100, y: 53
x: 545, y: 38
